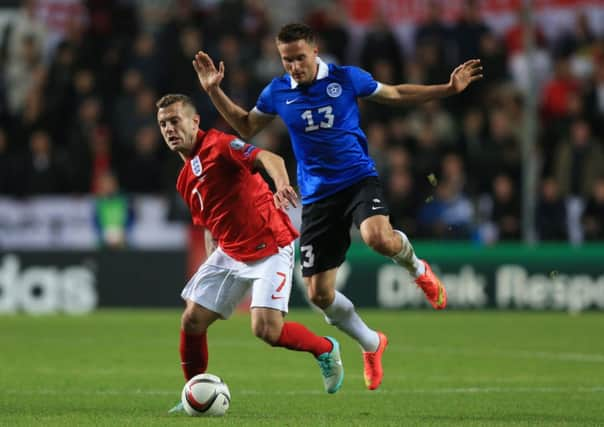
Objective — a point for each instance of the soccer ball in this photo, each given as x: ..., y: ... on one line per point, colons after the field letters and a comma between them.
x: 205, y: 394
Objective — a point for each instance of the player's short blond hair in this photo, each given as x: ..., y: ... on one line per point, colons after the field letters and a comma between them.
x: 173, y: 98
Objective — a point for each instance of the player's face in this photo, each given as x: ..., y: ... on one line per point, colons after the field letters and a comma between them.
x: 299, y: 58
x: 179, y: 125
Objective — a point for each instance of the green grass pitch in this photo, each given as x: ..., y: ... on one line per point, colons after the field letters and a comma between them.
x: 121, y: 368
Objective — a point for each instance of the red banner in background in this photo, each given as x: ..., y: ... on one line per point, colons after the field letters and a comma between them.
x: 397, y: 11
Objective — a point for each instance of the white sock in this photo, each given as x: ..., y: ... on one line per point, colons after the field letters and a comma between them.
x: 406, y: 257
x: 341, y: 313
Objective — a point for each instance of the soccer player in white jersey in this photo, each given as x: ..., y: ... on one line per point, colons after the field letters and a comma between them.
x: 337, y: 178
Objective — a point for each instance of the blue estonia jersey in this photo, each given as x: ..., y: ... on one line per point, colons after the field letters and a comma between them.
x: 323, y: 123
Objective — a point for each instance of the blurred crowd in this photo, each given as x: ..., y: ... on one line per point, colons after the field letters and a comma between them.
x: 79, y: 81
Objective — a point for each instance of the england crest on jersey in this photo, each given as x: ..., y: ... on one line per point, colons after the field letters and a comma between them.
x: 196, y: 166
x: 334, y: 90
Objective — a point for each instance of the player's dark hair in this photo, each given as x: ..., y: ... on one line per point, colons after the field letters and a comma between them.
x: 294, y: 32
x: 173, y: 98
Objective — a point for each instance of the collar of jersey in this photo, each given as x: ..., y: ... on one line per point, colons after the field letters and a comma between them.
x: 198, y: 140
x: 321, y: 73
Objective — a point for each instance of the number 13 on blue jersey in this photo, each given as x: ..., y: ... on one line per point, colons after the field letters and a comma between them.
x: 326, y: 117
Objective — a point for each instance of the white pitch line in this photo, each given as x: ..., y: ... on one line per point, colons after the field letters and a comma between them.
x: 574, y: 357
x: 456, y: 390
x: 303, y: 375
x: 515, y: 354
x: 407, y: 378
x: 509, y: 353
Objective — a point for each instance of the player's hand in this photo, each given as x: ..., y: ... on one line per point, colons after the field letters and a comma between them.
x: 285, y: 196
x: 209, y: 77
x: 466, y: 73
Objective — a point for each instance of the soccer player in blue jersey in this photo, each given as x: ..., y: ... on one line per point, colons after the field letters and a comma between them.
x: 337, y: 178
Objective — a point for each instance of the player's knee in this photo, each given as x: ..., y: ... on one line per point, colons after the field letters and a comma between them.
x: 378, y: 241
x: 320, y: 299
x: 320, y: 290
x: 191, y: 323
x: 267, y: 332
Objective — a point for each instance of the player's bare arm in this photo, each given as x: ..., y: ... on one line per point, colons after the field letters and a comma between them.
x: 210, y: 243
x: 246, y: 123
x: 461, y: 77
x: 274, y: 165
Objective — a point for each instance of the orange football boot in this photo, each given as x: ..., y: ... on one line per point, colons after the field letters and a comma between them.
x: 373, y: 371
x: 433, y: 288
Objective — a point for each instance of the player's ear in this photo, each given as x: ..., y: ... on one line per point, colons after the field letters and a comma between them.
x: 196, y: 120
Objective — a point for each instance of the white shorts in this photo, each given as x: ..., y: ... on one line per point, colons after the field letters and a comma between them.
x: 222, y: 282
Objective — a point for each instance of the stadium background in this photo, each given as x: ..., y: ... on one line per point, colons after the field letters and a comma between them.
x: 501, y: 187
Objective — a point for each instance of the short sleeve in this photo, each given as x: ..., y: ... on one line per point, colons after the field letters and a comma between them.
x: 239, y: 152
x: 363, y: 82
x: 265, y: 102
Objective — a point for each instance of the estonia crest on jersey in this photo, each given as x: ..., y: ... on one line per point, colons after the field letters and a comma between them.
x: 196, y: 166
x: 334, y: 90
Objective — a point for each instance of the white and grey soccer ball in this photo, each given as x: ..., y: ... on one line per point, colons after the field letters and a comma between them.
x: 206, y: 395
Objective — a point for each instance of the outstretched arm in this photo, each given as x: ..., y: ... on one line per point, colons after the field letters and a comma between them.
x: 461, y: 77
x: 274, y: 165
x: 246, y: 123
